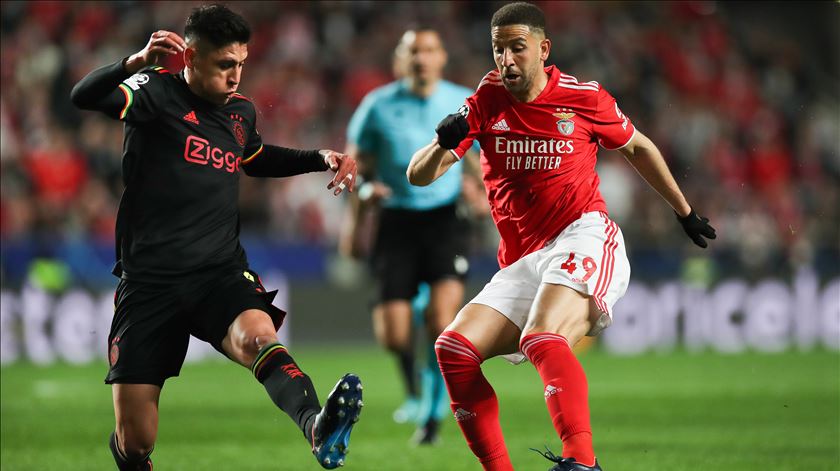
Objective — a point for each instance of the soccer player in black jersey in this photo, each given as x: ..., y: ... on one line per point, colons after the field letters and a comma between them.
x: 182, y: 269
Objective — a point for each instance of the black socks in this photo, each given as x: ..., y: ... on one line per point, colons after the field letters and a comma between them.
x: 287, y: 385
x: 406, y: 359
x: 136, y: 463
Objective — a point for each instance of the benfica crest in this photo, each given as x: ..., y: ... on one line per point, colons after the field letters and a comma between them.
x: 566, y: 126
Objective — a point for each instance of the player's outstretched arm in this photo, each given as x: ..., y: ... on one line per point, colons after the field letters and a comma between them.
x: 274, y: 161
x: 429, y: 163
x: 433, y: 160
x: 645, y: 157
x: 98, y: 89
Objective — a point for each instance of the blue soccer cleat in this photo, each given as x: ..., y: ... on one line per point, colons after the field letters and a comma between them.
x: 566, y: 464
x: 331, y: 431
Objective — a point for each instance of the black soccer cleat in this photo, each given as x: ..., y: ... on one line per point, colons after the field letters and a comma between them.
x: 427, y: 434
x: 332, y: 427
x: 566, y: 464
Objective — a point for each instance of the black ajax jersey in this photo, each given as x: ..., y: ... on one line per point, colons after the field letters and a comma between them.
x: 179, y: 213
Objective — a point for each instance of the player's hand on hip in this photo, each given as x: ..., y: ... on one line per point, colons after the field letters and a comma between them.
x: 161, y: 44
x: 453, y: 129
x: 697, y: 227
x: 344, y: 167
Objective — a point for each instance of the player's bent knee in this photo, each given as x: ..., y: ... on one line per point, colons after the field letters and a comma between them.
x: 250, y: 332
x: 248, y: 344
x: 135, y: 442
x: 571, y: 328
x: 456, y: 356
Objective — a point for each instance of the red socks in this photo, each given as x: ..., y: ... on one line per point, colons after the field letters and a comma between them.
x: 473, y: 400
x: 565, y: 392
x: 477, y: 410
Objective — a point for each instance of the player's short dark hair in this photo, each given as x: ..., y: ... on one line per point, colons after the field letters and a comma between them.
x: 217, y: 25
x: 519, y: 13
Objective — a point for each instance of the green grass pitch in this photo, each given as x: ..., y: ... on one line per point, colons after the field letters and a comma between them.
x: 673, y: 412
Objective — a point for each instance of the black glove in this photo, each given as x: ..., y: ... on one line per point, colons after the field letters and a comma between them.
x: 453, y: 129
x: 696, y: 226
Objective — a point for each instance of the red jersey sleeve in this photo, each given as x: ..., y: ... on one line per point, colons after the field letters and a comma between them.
x: 470, y: 107
x: 612, y: 129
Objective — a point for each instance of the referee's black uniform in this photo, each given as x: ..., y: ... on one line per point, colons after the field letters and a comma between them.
x: 182, y: 269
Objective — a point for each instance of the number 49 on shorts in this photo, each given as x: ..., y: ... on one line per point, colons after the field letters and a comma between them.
x: 589, y: 266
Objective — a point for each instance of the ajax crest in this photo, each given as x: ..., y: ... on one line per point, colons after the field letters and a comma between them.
x: 239, y: 133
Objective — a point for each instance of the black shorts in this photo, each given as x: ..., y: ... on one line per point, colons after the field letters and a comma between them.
x: 153, y: 322
x: 418, y: 246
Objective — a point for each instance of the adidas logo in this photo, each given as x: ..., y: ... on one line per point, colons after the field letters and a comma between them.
x: 551, y: 390
x: 190, y: 117
x: 501, y: 126
x: 292, y: 370
x: 463, y: 414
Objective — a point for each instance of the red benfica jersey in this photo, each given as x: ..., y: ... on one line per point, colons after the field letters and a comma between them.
x: 538, y: 158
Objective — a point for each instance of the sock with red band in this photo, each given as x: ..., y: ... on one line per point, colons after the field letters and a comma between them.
x: 473, y: 400
x: 289, y: 387
x: 565, y: 392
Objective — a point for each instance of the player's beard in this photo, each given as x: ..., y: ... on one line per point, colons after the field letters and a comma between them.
x: 524, y: 83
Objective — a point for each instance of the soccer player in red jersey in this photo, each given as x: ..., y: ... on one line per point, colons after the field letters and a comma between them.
x: 563, y: 260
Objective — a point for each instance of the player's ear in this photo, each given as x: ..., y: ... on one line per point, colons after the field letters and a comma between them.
x: 189, y: 57
x: 545, y: 49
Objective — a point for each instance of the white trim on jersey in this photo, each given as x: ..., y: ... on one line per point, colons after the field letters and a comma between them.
x: 492, y: 78
x: 578, y: 87
x: 575, y: 81
x: 621, y: 146
x: 572, y: 77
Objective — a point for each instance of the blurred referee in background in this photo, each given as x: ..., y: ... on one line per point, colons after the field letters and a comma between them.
x: 390, y: 123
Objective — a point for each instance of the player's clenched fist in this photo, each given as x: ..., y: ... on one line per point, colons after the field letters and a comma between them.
x: 453, y: 129
x: 344, y: 167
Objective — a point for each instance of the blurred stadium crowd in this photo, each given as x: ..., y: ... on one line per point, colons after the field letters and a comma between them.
x: 743, y: 103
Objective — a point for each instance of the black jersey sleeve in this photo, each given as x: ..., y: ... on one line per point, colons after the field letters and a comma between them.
x: 274, y: 161
x: 110, y: 89
x: 98, y: 89
x: 265, y: 160
x: 145, y: 95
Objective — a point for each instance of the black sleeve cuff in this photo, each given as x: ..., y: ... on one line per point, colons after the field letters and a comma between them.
x: 277, y: 161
